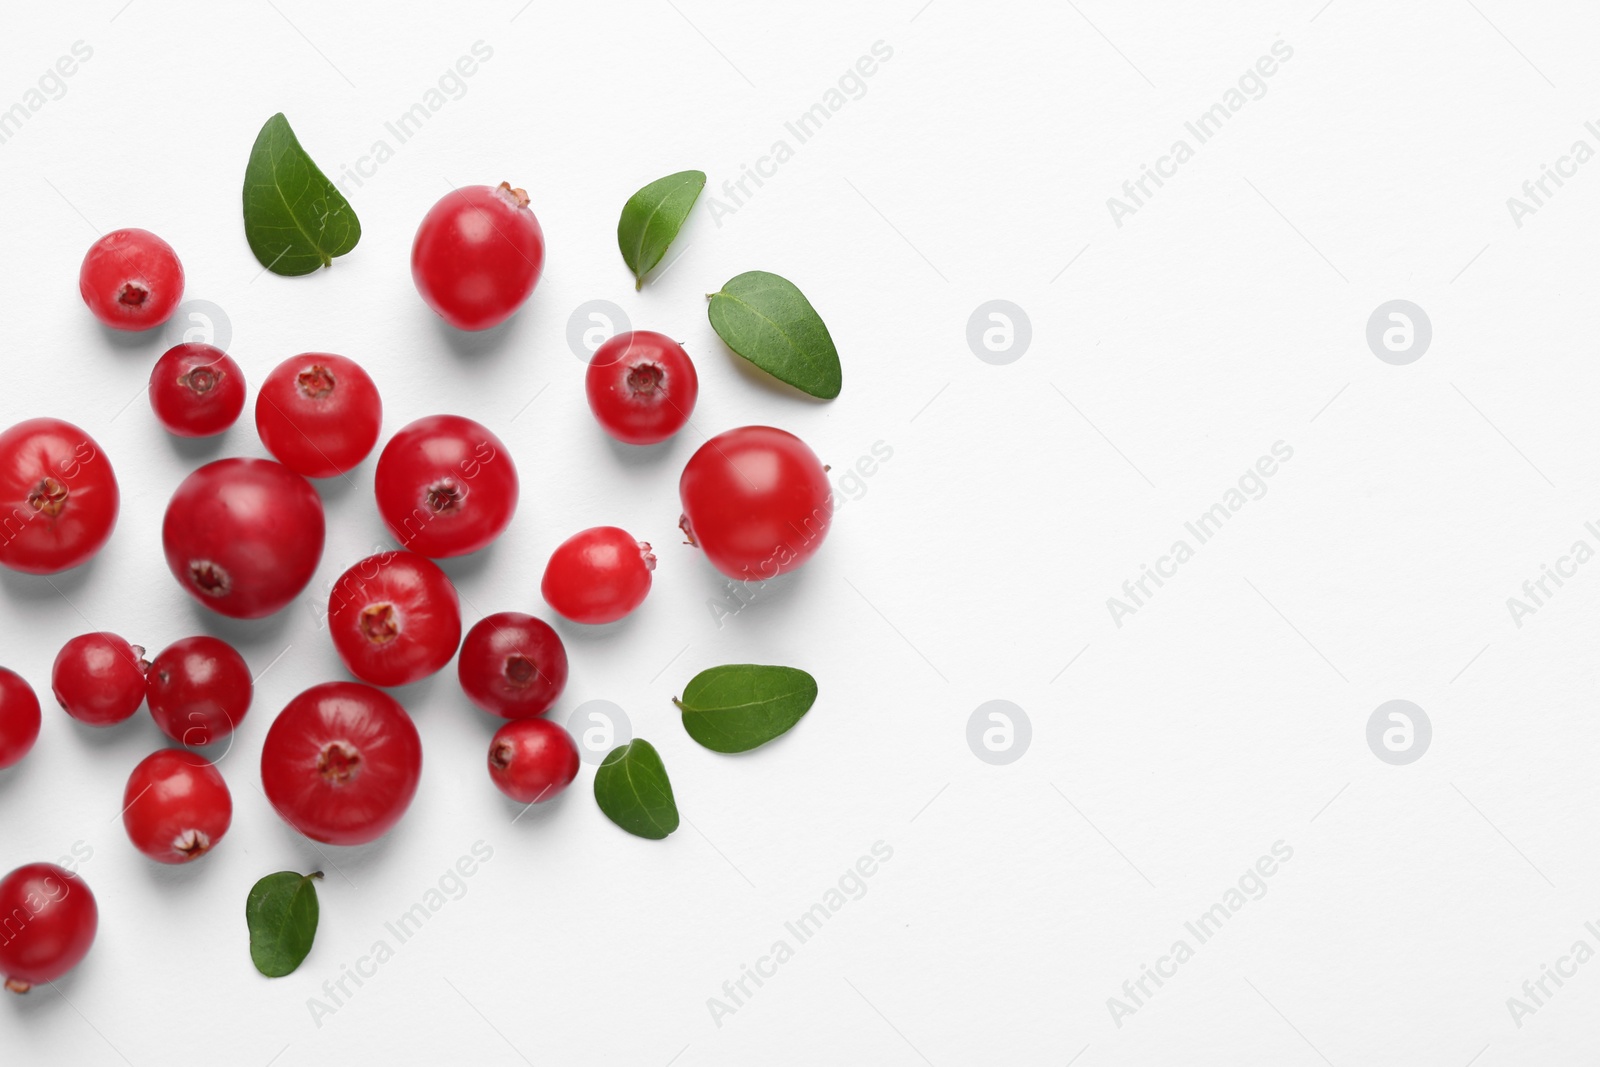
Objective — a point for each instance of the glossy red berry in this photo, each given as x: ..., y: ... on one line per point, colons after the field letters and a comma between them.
x: 532, y: 760
x: 513, y: 665
x: 199, y: 689
x: 642, y: 387
x: 176, y: 806
x: 196, y: 390
x: 395, y: 618
x: 319, y: 414
x: 757, y: 501
x: 58, y: 494
x: 478, y: 254
x: 243, y: 536
x: 341, y: 763
x: 598, y: 575
x: 131, y: 280
x: 99, y: 678
x: 47, y: 922
x: 446, y: 486
x: 19, y: 718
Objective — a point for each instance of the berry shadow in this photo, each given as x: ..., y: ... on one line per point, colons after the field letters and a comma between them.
x: 38, y: 588
x: 171, y: 880
x: 335, y: 489
x: 254, y: 635
x: 593, y: 633
x: 131, y: 340
x: 196, y: 451
x: 638, y: 456
x: 479, y: 346
x: 465, y: 568
x: 537, y: 815
x: 138, y: 733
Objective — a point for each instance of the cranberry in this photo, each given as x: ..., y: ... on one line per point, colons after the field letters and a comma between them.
x: 196, y: 390
x: 598, y: 575
x: 395, y: 618
x: 478, y: 255
x: 176, y: 806
x: 532, y: 760
x: 243, y: 536
x: 47, y: 922
x: 446, y: 486
x: 58, y: 497
x: 513, y: 665
x: 341, y: 763
x: 757, y: 501
x: 319, y: 414
x: 19, y: 718
x: 199, y: 689
x: 642, y: 387
x: 99, y: 678
x: 131, y: 280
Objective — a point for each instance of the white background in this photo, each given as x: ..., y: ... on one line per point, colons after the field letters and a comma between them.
x: 1167, y: 354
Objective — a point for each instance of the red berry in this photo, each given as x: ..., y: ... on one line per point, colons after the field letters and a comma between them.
x: 196, y: 390
x: 19, y: 718
x: 49, y: 920
x: 58, y: 495
x: 199, y: 689
x: 478, y: 255
x: 598, y: 575
x: 532, y: 760
x: 757, y: 501
x: 243, y: 536
x: 319, y: 414
x: 341, y: 763
x: 131, y: 280
x: 176, y: 807
x: 99, y: 678
x: 513, y: 665
x: 395, y: 618
x: 446, y: 486
x: 642, y: 387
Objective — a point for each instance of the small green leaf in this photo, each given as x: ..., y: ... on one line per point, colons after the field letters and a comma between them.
x: 282, y: 915
x: 744, y: 705
x: 768, y: 321
x: 294, y: 217
x: 631, y: 787
x: 653, y: 216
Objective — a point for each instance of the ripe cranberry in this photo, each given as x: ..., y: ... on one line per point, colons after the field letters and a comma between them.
x: 513, y: 665
x: 446, y: 486
x: 395, y: 618
x: 99, y: 678
x: 478, y: 255
x: 532, y: 760
x: 341, y: 763
x: 131, y: 280
x: 19, y: 718
x: 243, y: 536
x: 49, y: 920
x: 176, y: 807
x: 598, y: 575
x: 757, y: 501
x: 319, y: 414
x: 58, y: 497
x: 196, y: 390
x: 642, y: 387
x: 199, y: 689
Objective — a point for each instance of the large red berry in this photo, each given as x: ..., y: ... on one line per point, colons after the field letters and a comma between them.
x: 446, y: 486
x: 319, y: 414
x: 99, y: 678
x: 532, y: 760
x: 58, y: 497
x: 757, y: 501
x: 196, y: 390
x: 19, y: 718
x: 513, y: 665
x: 176, y: 806
x: 341, y: 763
x: 642, y: 387
x: 598, y: 575
x: 131, y: 280
x: 478, y: 254
x: 243, y: 536
x: 199, y: 689
x: 395, y: 618
x: 47, y: 922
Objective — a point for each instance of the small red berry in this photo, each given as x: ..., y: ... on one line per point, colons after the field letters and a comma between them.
x: 176, y: 806
x: 19, y: 718
x: 513, y: 665
x: 446, y: 486
x: 478, y: 254
x: 319, y: 414
x: 642, y: 387
x: 395, y: 618
x: 99, y: 678
x: 199, y: 689
x: 197, y: 390
x: 532, y: 760
x: 59, y: 496
x: 598, y: 575
x: 131, y: 280
x: 49, y: 919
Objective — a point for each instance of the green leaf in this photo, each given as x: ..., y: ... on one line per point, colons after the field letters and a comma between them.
x: 294, y: 218
x: 744, y: 705
x: 768, y: 321
x: 282, y: 915
x: 653, y: 216
x: 631, y: 787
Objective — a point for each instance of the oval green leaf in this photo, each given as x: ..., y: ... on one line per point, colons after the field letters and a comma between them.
x: 652, y: 218
x: 294, y: 217
x: 741, y: 706
x: 282, y: 915
x: 768, y: 321
x: 631, y: 787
